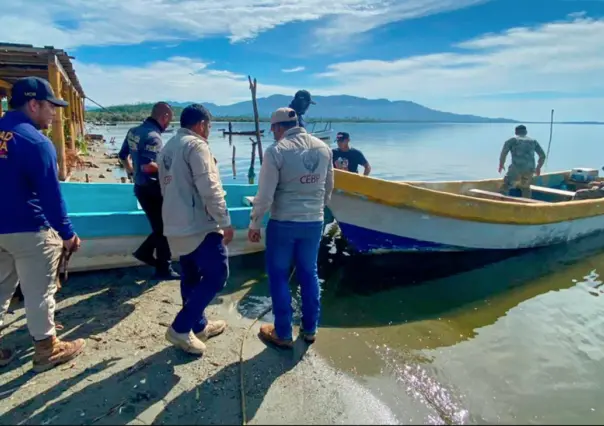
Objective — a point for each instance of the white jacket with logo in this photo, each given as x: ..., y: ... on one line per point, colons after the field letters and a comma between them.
x: 194, y: 201
x: 296, y: 179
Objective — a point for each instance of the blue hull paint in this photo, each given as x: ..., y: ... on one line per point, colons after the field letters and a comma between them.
x: 366, y: 241
x: 100, y: 210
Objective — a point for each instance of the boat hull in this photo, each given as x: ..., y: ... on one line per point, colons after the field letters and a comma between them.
x: 374, y: 228
x: 116, y: 252
x: 112, y: 225
x: 374, y: 223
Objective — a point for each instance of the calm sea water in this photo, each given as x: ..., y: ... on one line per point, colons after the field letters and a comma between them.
x: 421, y: 151
x: 520, y: 341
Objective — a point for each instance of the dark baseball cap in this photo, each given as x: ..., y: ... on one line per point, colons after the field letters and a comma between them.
x: 341, y: 136
x: 28, y: 88
x: 304, y: 94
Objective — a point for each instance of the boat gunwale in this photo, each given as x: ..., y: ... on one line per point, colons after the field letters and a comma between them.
x: 406, y: 194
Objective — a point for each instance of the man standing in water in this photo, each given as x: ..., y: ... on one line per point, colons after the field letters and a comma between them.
x: 522, y: 169
x: 295, y: 183
x: 347, y: 158
x: 197, y: 224
x: 142, y: 144
x: 34, y: 226
x: 301, y: 102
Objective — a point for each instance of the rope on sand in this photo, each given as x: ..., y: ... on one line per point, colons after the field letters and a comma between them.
x: 241, y: 380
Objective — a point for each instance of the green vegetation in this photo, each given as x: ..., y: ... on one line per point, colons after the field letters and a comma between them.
x: 81, y: 145
x: 138, y: 112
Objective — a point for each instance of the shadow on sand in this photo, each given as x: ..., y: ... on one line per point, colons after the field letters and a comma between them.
x: 143, y: 390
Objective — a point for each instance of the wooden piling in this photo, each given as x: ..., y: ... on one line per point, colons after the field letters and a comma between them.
x: 251, y: 174
x: 233, y: 164
x: 67, y: 94
x: 58, y: 130
x: 253, y: 87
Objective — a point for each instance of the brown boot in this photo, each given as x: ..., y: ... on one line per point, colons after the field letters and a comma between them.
x: 269, y: 335
x: 6, y: 356
x: 52, y: 352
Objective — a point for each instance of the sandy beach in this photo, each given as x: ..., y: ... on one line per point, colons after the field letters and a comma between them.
x: 99, y: 164
x: 129, y: 373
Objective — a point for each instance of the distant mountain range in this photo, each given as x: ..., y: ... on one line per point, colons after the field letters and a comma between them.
x: 339, y: 107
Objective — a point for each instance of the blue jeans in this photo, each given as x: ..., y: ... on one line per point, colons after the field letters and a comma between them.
x: 203, y: 274
x: 298, y: 241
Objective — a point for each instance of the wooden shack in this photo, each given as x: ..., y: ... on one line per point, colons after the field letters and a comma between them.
x: 54, y: 65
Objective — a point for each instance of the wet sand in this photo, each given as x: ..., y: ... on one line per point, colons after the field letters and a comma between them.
x: 100, y: 164
x: 129, y: 374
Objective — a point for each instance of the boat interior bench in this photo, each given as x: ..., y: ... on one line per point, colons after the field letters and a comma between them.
x: 556, y: 193
x: 480, y: 193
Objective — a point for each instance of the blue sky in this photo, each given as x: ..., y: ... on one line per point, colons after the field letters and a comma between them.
x: 503, y: 58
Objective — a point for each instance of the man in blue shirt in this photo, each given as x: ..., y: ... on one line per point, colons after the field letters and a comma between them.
x: 301, y: 102
x: 347, y: 158
x: 142, y: 144
x: 34, y: 227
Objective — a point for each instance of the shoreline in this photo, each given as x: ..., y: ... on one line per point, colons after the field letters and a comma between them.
x: 99, y: 164
x: 129, y: 374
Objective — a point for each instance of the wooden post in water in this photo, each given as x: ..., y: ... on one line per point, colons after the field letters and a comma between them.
x: 253, y: 87
x: 549, y: 144
x: 251, y: 174
x: 233, y: 164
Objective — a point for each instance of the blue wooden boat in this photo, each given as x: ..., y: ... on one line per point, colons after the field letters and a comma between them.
x: 111, y: 223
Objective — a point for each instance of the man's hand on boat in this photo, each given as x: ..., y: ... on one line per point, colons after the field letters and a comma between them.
x: 228, y: 235
x: 254, y: 235
x: 73, y: 244
x: 538, y: 171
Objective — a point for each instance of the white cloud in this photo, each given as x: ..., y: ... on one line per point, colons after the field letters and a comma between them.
x: 176, y: 79
x: 345, y: 26
x: 72, y: 23
x: 296, y: 69
x: 561, y: 57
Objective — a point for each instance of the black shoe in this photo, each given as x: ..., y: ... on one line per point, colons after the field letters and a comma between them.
x: 146, y: 259
x: 166, y: 274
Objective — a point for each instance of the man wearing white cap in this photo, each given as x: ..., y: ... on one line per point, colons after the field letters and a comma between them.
x: 295, y: 184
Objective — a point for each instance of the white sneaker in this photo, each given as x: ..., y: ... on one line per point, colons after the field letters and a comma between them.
x: 186, y: 341
x: 212, y: 329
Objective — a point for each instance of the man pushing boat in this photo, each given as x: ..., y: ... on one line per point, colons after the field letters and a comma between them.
x: 522, y: 169
x: 142, y: 144
x: 296, y: 181
x: 197, y: 224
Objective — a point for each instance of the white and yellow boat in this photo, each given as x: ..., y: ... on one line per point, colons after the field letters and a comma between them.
x: 376, y: 215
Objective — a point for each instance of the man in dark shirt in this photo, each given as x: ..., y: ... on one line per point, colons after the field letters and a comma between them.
x: 300, y: 104
x: 34, y: 226
x: 347, y: 158
x: 142, y: 144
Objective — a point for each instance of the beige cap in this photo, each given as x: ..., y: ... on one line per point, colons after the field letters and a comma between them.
x: 283, y: 115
